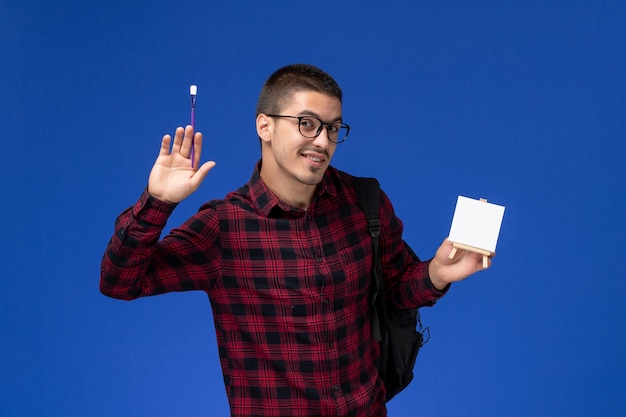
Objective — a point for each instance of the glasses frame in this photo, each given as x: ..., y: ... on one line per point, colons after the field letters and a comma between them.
x: 319, y: 129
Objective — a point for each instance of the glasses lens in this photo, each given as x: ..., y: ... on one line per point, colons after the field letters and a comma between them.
x: 338, y: 132
x: 311, y: 127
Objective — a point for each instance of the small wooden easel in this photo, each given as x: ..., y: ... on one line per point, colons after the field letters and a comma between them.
x: 486, y: 254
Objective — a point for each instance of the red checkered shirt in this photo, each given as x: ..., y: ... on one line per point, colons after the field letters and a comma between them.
x: 289, y: 291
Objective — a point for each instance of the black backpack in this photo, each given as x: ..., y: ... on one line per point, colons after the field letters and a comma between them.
x: 395, y: 329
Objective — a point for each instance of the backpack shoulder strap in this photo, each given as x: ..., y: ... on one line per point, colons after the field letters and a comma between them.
x: 368, y: 194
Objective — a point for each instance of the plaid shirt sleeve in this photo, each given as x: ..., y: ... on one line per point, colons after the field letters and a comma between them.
x: 408, y: 283
x: 136, y: 263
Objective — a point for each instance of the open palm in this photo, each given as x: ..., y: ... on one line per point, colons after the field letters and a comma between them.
x: 173, y: 178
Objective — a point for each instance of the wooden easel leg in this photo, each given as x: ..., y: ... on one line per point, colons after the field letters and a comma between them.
x: 485, y: 253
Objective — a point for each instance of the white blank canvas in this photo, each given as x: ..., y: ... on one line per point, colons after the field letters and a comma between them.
x: 476, y: 223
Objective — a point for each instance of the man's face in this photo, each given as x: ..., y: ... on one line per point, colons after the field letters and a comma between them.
x: 290, y: 158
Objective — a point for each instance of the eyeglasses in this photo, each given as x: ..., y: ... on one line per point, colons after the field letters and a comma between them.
x: 311, y: 127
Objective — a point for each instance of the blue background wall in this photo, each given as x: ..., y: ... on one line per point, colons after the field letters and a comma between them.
x: 522, y: 103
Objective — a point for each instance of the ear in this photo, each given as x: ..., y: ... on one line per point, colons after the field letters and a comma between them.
x: 264, y: 127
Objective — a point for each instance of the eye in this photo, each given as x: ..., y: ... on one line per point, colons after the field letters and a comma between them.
x: 307, y: 123
x: 334, y: 128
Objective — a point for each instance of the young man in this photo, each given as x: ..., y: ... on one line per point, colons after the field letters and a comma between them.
x: 286, y: 260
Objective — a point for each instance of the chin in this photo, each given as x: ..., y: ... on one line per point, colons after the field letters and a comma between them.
x: 310, y: 180
x: 315, y: 177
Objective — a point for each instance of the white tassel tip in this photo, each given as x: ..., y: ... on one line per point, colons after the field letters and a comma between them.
x: 193, y: 90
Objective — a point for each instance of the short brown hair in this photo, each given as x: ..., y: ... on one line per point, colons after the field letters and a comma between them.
x: 290, y: 79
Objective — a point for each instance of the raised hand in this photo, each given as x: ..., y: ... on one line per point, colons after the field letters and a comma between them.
x: 172, y: 178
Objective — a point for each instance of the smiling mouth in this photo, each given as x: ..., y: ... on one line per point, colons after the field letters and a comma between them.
x: 315, y: 159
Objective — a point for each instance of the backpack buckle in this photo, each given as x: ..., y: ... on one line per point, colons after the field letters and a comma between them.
x: 374, y: 227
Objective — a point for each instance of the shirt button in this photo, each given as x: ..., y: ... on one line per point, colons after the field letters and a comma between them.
x: 331, y: 344
x: 319, y: 259
x: 335, y: 387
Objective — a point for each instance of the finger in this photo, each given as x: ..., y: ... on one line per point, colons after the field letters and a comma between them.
x: 178, y: 139
x: 446, y: 252
x: 165, y: 145
x: 187, y: 140
x: 197, y: 148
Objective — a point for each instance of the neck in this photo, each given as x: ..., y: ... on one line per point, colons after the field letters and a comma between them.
x: 292, y: 192
x: 297, y: 195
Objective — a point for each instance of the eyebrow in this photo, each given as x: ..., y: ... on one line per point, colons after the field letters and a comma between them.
x: 317, y: 116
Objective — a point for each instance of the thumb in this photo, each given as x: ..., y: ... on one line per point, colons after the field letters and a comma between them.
x: 201, y: 174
